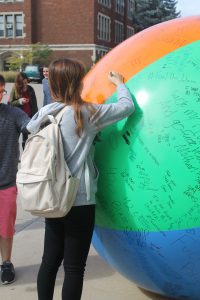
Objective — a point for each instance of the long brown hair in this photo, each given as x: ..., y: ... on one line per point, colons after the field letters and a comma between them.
x: 19, y: 82
x: 65, y: 81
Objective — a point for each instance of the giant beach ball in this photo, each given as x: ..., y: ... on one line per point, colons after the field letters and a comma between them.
x: 148, y: 199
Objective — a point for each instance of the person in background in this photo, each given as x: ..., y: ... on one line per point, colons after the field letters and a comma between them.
x: 12, y: 121
x: 23, y: 96
x: 45, y: 85
x: 68, y: 238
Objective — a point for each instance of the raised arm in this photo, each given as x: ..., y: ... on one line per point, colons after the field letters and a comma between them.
x: 107, y: 114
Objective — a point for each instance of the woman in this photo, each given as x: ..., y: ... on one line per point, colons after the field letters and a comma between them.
x: 45, y: 86
x: 23, y: 96
x: 68, y: 239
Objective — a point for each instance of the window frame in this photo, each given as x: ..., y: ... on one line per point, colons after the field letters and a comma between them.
x: 120, y: 7
x: 129, y: 29
x: 118, y: 38
x: 10, y: 1
x: 103, y: 2
x: 102, y: 33
x: 130, y: 11
x: 5, y: 23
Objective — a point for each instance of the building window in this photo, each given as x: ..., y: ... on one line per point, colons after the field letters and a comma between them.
x: 130, y: 31
x: 103, y: 27
x: 1, y: 26
x: 11, y: 25
x: 18, y: 25
x: 119, y: 32
x: 119, y: 6
x: 101, y: 53
x: 106, y: 3
x: 131, y: 9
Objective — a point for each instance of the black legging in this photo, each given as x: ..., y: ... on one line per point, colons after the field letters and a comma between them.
x: 66, y: 238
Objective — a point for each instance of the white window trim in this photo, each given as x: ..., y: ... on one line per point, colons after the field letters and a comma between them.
x: 121, y: 5
x: 131, y: 29
x: 103, y: 38
x: 4, y: 14
x: 7, y: 1
x: 122, y: 25
x: 129, y: 12
x: 104, y: 4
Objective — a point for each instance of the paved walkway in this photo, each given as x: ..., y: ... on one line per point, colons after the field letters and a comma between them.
x: 101, y: 281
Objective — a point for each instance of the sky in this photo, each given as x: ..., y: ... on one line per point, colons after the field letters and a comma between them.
x: 189, y: 7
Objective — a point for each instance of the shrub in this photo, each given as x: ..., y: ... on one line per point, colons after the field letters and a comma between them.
x: 9, y: 75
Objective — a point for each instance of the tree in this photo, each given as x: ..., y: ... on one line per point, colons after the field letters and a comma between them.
x: 19, y: 58
x: 151, y: 12
x: 35, y: 54
x: 169, y: 10
x: 40, y: 54
x: 146, y: 14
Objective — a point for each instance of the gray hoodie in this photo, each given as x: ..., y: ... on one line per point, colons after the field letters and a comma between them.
x: 77, y: 149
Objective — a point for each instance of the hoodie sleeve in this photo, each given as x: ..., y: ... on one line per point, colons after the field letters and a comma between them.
x: 107, y: 114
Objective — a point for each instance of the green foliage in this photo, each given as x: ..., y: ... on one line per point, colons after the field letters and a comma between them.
x: 152, y: 12
x: 35, y: 54
x: 19, y: 58
x: 9, y: 76
x: 40, y: 54
x: 169, y: 10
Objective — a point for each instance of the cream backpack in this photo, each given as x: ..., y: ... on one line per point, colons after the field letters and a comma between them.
x: 45, y: 185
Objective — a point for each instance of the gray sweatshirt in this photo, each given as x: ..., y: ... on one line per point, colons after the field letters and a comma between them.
x: 77, y: 149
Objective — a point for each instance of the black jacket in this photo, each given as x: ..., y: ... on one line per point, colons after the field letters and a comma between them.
x: 14, y: 100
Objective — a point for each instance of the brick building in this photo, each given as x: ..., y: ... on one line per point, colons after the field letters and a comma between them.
x: 85, y: 29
